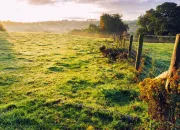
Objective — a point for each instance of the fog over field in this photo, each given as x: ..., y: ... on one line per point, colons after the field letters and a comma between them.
x: 63, y: 26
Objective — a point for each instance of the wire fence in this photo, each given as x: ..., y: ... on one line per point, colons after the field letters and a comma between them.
x: 149, y: 65
x: 157, y: 39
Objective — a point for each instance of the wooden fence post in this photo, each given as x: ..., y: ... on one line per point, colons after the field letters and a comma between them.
x: 115, y: 37
x: 175, y: 61
x: 139, y: 52
x: 130, y: 46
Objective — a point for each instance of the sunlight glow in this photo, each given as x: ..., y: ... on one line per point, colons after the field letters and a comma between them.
x: 14, y: 10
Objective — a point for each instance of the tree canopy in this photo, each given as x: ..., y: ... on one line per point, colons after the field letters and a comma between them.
x: 112, y: 23
x: 2, y: 27
x: 164, y: 20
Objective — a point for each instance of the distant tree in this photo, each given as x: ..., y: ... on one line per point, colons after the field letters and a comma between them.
x: 93, y: 29
x: 162, y: 21
x: 112, y: 23
x: 2, y: 27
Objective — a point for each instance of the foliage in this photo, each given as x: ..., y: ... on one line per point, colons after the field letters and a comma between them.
x: 93, y: 29
x: 2, y: 27
x: 164, y: 20
x: 114, y: 53
x: 112, y: 23
x: 108, y: 24
x: 162, y: 105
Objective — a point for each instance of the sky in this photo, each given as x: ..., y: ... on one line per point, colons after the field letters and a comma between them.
x: 52, y: 10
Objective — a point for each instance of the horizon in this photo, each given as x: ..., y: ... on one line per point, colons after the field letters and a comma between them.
x: 69, y: 20
x: 79, y: 10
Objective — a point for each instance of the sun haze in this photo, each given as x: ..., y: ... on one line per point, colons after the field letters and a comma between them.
x: 50, y: 10
x: 24, y: 11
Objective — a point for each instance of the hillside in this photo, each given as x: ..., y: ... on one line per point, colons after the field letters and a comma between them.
x: 132, y: 26
x: 56, y: 26
x: 49, y: 26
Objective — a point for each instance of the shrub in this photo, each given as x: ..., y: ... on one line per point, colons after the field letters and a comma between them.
x: 2, y: 27
x: 163, y: 106
x: 92, y: 29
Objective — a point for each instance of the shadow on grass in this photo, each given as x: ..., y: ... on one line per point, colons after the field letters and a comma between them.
x: 77, y: 65
x: 56, y: 69
x: 8, y: 60
x: 118, y: 96
x: 5, y: 48
x: 97, y: 117
x: 79, y: 84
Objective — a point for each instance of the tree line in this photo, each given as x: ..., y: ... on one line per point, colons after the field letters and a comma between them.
x: 109, y: 24
x: 162, y: 21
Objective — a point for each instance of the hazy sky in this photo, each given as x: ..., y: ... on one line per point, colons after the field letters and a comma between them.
x: 46, y: 10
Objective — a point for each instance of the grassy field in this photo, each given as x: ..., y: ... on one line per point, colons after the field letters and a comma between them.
x: 53, y: 81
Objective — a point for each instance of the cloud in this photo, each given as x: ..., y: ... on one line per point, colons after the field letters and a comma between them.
x: 45, y: 2
x: 76, y: 18
x: 103, y: 3
x: 132, y: 8
x: 41, y: 2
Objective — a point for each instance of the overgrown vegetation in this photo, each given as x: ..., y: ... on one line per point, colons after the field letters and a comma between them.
x: 163, y: 106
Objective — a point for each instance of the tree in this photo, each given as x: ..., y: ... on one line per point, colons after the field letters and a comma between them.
x: 92, y: 29
x: 162, y: 21
x: 112, y: 24
x: 2, y: 27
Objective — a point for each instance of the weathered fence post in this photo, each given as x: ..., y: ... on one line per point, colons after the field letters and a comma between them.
x: 130, y: 46
x: 113, y: 36
x: 139, y: 52
x: 116, y: 37
x: 175, y: 61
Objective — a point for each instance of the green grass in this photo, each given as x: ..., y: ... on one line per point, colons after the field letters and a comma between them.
x: 53, y: 81
x: 157, y: 58
x: 161, y: 52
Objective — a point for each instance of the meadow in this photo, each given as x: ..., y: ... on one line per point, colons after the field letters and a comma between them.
x: 62, y: 81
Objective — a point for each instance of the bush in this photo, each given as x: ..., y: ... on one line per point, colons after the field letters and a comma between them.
x: 163, y: 106
x: 92, y: 29
x: 2, y: 27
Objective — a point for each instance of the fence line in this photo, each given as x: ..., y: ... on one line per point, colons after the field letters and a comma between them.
x: 175, y: 61
x: 143, y: 58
